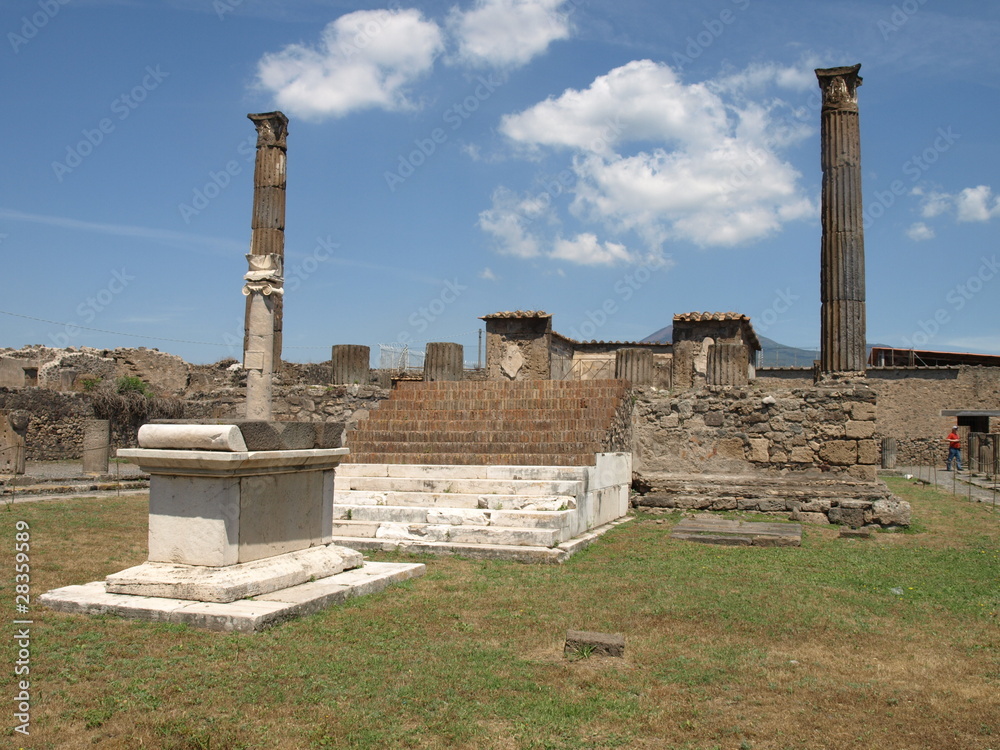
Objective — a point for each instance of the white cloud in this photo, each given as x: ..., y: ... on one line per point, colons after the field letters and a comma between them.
x: 933, y: 203
x: 977, y: 204
x: 507, y: 33
x: 587, y: 250
x: 365, y: 59
x: 487, y: 273
x: 919, y: 232
x: 971, y: 204
x: 507, y: 221
x: 715, y: 177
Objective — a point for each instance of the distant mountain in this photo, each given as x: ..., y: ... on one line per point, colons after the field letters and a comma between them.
x: 772, y: 353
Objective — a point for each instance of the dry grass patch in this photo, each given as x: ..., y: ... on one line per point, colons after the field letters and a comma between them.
x: 732, y: 648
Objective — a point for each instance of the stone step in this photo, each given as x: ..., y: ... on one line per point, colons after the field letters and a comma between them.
x: 443, y: 445
x: 512, y: 552
x: 523, y: 487
x: 483, y: 408
x: 460, y: 432
x: 462, y: 471
x: 420, y: 532
x: 522, y: 519
x: 459, y: 471
x: 521, y: 458
x: 482, y: 500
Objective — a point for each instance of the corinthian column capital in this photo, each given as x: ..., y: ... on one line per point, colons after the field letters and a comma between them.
x: 272, y: 129
x: 840, y: 87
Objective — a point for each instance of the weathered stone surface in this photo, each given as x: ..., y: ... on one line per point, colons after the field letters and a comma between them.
x: 714, y: 419
x: 853, y: 517
x: 759, y: 450
x: 891, y: 512
x: 839, y: 452
x: 819, y: 519
x: 802, y: 454
x: 858, y: 430
x: 730, y: 448
x: 868, y: 452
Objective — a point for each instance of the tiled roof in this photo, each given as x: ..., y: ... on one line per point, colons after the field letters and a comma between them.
x: 612, y: 343
x: 517, y: 314
x: 702, y: 317
x: 705, y: 317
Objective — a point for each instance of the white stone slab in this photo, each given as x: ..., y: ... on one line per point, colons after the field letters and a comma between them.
x: 206, y: 437
x: 245, y: 615
x: 198, y: 462
x: 233, y: 582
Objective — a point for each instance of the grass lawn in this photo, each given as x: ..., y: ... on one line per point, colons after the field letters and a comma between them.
x: 884, y: 643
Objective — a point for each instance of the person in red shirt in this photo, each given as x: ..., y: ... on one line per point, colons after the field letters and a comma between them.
x: 954, y: 449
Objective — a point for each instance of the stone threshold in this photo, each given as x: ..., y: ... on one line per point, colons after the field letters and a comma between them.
x: 515, y: 553
x: 244, y: 615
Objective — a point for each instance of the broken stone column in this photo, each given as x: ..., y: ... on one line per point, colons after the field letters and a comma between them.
x: 443, y: 361
x: 842, y: 265
x: 96, y: 446
x: 634, y: 365
x: 268, y: 220
x: 349, y: 364
x: 264, y: 280
x: 728, y: 364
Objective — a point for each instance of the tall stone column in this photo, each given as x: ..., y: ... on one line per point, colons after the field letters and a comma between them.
x: 264, y: 279
x: 267, y: 223
x: 842, y: 265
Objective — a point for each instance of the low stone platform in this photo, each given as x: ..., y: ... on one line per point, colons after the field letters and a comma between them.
x: 243, y: 615
x: 714, y: 530
x: 804, y: 498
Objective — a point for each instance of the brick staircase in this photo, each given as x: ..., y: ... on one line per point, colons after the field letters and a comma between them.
x: 523, y: 423
x: 528, y: 471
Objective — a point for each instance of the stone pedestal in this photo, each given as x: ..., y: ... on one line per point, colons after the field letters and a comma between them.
x: 96, y: 446
x: 214, y: 505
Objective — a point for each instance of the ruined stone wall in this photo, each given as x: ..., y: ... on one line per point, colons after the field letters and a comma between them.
x: 911, y: 400
x: 740, y: 430
x: 55, y: 430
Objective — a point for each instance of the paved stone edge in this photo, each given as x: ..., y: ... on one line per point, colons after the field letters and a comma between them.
x: 245, y: 615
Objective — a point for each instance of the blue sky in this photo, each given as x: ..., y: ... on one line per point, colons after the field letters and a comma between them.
x: 612, y: 163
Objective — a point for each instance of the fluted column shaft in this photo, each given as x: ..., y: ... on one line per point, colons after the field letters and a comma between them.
x: 265, y: 283
x: 267, y: 223
x: 842, y: 266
